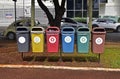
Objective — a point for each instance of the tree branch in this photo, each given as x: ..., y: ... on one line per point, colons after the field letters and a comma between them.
x: 45, y: 9
x: 63, y: 3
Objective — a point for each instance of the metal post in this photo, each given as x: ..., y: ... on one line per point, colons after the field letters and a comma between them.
x: 99, y: 58
x: 32, y: 12
x: 15, y: 12
x: 23, y: 8
x: 22, y: 56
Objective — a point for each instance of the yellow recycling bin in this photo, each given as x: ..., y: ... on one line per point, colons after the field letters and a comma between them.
x: 37, y: 38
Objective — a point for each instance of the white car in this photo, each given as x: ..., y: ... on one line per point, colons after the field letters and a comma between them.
x: 106, y: 23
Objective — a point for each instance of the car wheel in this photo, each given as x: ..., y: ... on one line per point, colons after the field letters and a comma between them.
x: 118, y: 29
x: 11, y: 36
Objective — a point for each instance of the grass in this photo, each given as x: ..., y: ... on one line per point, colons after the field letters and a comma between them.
x: 109, y: 59
x: 111, y: 56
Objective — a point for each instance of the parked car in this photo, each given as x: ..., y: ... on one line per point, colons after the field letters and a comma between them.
x: 107, y: 24
x: 70, y: 22
x: 10, y: 32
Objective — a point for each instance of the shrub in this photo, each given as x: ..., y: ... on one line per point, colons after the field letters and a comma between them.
x: 79, y: 19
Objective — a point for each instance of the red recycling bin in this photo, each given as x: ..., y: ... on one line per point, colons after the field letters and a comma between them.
x: 52, y: 37
x: 98, y: 40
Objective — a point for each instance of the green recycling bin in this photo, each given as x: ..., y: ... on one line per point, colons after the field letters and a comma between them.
x: 83, y: 38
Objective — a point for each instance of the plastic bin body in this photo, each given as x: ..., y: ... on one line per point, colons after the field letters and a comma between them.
x: 52, y: 37
x: 37, y: 38
x: 83, y: 38
x: 98, y: 40
x: 22, y: 36
x: 68, y: 35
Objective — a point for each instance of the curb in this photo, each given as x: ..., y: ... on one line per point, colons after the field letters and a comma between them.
x: 59, y: 67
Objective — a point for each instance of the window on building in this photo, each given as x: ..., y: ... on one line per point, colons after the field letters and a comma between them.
x: 70, y: 14
x: 85, y: 4
x: 70, y: 4
x: 103, y: 1
x: 95, y: 14
x: 78, y: 4
x: 84, y: 13
x: 95, y: 4
x: 78, y: 13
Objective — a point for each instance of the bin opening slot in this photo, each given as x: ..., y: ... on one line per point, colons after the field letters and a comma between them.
x: 68, y: 29
x: 99, y: 30
x: 52, y: 29
x: 37, y: 29
x: 22, y: 29
x: 83, y: 29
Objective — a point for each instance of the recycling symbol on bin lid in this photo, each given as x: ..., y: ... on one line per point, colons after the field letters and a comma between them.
x: 83, y: 39
x: 37, y: 39
x: 21, y: 39
x: 99, y: 40
x: 68, y: 39
x: 52, y: 39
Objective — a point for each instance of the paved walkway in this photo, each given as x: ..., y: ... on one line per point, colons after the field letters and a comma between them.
x: 56, y: 72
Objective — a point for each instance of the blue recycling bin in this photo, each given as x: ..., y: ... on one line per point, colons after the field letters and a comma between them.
x: 83, y: 39
x: 68, y: 35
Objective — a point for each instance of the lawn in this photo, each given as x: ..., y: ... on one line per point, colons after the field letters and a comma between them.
x: 109, y: 59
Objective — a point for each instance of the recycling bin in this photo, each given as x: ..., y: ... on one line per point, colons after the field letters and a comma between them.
x: 68, y: 35
x: 52, y: 37
x: 22, y: 37
x: 98, y: 40
x: 83, y: 38
x: 37, y: 39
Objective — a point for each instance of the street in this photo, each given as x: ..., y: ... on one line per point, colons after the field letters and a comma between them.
x: 38, y: 73
x: 113, y: 37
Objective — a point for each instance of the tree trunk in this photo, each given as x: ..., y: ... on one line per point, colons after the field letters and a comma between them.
x: 90, y: 3
x: 59, y: 12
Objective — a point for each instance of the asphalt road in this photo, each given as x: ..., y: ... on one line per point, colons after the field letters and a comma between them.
x: 113, y: 36
x: 30, y: 73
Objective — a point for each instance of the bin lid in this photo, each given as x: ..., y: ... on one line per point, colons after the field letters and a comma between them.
x: 22, y: 29
x: 37, y: 30
x: 98, y: 30
x: 52, y: 29
x: 83, y: 29
x: 68, y: 30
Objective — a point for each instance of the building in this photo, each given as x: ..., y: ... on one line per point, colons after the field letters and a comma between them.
x: 74, y: 8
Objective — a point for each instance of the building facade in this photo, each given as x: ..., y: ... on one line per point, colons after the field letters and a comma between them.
x: 74, y: 8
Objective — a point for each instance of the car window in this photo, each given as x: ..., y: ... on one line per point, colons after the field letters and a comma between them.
x: 37, y: 22
x: 69, y: 21
x: 27, y: 23
x: 19, y: 23
x: 101, y: 20
x: 110, y: 21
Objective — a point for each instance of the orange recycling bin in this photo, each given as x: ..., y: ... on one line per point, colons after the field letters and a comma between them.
x: 98, y: 40
x: 52, y: 37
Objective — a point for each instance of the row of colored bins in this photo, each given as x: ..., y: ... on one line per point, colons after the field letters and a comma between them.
x: 67, y: 35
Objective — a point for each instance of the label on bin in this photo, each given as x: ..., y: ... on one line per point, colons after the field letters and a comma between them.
x: 83, y: 39
x: 21, y: 39
x: 99, y: 40
x: 37, y: 39
x: 68, y: 39
x: 52, y: 39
